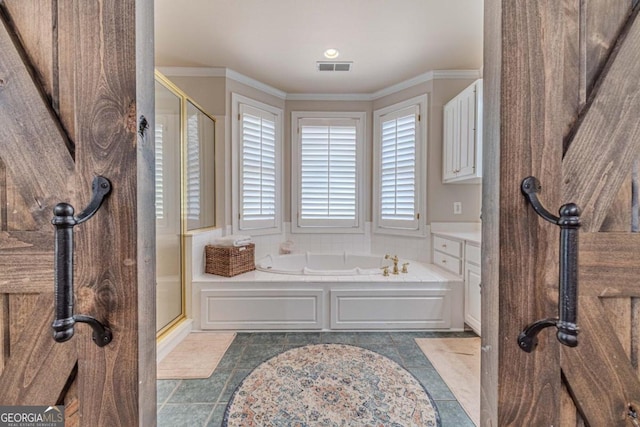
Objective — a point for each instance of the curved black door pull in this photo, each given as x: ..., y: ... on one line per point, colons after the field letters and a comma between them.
x: 64, y: 221
x: 569, y: 223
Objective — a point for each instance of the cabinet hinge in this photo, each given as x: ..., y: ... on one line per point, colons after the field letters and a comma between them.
x: 238, y: 116
x: 239, y: 217
x: 419, y: 117
x: 418, y: 215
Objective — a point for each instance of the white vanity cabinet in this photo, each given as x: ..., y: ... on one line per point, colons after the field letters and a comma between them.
x: 472, y: 286
x: 462, y: 137
x: 459, y: 253
x: 447, y: 254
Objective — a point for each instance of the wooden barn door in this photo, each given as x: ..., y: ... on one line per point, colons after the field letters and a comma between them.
x: 562, y: 87
x: 76, y: 78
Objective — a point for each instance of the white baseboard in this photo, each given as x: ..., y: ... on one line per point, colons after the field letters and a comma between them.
x: 172, y: 339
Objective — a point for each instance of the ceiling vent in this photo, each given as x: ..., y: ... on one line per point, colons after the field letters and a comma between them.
x: 334, y: 66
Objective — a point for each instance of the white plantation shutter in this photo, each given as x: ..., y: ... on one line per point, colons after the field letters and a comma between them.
x: 258, y: 181
x: 398, y: 168
x: 193, y: 168
x: 327, y: 169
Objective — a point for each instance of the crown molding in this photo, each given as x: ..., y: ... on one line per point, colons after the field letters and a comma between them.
x: 241, y: 78
x: 329, y: 97
x: 193, y: 71
x: 222, y: 72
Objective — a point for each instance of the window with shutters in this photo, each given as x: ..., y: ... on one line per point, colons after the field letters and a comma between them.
x: 257, y: 158
x: 327, y: 151
x: 400, y: 168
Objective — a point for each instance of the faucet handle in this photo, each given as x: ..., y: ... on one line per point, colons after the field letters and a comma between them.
x: 404, y: 267
x: 385, y: 271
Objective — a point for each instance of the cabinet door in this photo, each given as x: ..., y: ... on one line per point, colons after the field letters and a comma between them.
x: 467, y: 128
x: 472, y: 297
x: 451, y: 129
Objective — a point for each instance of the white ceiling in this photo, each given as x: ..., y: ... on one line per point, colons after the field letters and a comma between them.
x: 279, y: 41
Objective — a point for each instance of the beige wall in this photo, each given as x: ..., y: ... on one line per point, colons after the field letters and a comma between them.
x: 214, y: 94
x: 206, y: 91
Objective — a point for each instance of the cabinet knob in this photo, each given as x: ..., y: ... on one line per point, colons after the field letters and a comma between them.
x: 444, y: 261
x: 444, y: 245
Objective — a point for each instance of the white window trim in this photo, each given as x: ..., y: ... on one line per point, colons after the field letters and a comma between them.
x: 236, y: 101
x: 421, y: 167
x: 361, y: 126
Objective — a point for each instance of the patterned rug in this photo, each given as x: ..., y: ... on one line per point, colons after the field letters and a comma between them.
x: 330, y: 385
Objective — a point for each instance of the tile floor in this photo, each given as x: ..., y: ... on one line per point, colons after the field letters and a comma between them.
x: 192, y: 403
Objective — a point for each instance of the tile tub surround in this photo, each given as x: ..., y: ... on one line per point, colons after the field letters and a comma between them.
x: 202, y: 402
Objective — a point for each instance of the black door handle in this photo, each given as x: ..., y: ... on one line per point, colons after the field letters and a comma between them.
x: 569, y: 223
x: 64, y: 221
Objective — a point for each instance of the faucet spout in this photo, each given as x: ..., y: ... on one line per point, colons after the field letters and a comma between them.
x: 395, y: 262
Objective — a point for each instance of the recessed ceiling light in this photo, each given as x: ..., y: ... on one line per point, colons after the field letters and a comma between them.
x: 331, y: 53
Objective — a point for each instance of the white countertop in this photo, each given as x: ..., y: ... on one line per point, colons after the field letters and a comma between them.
x: 468, y: 236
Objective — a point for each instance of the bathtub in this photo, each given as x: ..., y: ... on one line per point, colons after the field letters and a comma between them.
x: 330, y: 292
x: 344, y: 264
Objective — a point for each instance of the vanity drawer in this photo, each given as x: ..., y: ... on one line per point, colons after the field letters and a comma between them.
x: 472, y: 254
x: 447, y: 262
x: 448, y: 246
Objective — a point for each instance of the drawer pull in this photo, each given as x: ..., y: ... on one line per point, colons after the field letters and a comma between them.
x: 444, y: 261
x: 444, y: 245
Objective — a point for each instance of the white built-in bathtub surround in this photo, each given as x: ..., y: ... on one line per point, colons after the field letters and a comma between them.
x: 423, y: 298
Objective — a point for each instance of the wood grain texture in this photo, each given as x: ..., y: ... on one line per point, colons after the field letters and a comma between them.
x: 607, y: 256
x: 26, y: 262
x: 146, y: 241
x: 610, y: 128
x: 603, y: 21
x: 4, y: 331
x: 608, y: 369
x: 491, y: 213
x: 3, y: 197
x: 28, y: 135
x: 618, y: 314
x: 107, y: 274
x: 568, y: 411
x: 34, y: 21
x: 38, y: 367
x: 21, y: 307
x: 574, y: 96
x: 531, y: 144
x: 619, y: 217
x: 66, y: 66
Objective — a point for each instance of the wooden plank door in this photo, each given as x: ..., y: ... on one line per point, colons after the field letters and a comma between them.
x: 76, y: 80
x: 562, y: 98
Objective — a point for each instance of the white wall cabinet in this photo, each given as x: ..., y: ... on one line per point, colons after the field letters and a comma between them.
x: 462, y: 137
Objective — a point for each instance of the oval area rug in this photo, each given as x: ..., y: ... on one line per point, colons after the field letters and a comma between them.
x: 330, y: 385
